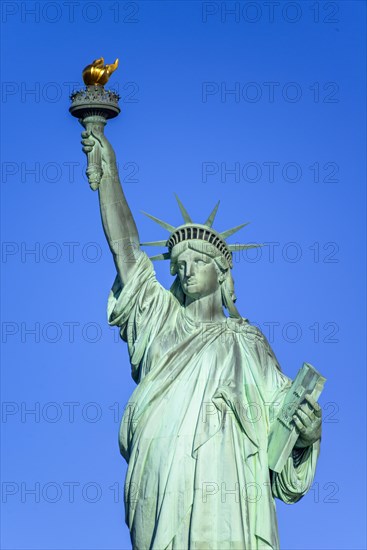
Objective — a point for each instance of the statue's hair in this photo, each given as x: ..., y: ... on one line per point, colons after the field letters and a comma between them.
x: 222, y: 267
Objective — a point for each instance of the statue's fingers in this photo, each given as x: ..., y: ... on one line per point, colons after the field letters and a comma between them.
x: 318, y: 413
x: 87, y: 149
x: 306, y: 409
x: 97, y: 134
x: 87, y: 142
x: 298, y: 424
x: 85, y: 134
x: 306, y: 421
x: 310, y: 399
x: 314, y: 405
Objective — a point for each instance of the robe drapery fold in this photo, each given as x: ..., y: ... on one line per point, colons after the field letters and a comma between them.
x: 195, y: 430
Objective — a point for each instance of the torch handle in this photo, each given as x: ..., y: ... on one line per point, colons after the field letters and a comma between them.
x: 95, y: 124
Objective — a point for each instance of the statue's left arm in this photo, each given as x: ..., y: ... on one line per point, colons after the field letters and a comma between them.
x: 308, y: 421
x: 298, y: 473
x: 297, y: 476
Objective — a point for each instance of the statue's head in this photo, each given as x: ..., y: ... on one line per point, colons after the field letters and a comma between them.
x: 196, y: 268
x: 200, y: 258
x: 200, y: 270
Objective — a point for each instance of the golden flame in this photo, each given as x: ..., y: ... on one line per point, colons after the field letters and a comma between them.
x: 97, y: 73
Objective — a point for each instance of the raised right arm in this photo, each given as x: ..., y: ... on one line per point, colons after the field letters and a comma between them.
x: 117, y: 220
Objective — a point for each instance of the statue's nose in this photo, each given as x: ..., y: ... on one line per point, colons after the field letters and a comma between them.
x: 190, y: 268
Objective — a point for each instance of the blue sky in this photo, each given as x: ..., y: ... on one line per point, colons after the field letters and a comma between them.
x: 258, y: 105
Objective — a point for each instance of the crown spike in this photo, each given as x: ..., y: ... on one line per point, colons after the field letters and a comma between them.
x: 154, y: 243
x: 163, y: 224
x: 184, y: 212
x: 210, y: 220
x: 229, y: 232
x: 164, y: 256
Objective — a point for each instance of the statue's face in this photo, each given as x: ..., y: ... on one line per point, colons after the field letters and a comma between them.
x: 197, y: 273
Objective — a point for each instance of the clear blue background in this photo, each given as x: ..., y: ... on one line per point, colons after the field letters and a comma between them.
x: 167, y: 130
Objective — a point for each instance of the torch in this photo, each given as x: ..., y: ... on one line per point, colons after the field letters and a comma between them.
x: 93, y: 106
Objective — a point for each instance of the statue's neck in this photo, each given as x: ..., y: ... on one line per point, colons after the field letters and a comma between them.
x: 206, y: 309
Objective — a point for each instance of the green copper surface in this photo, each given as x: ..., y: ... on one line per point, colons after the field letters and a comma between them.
x: 209, y: 393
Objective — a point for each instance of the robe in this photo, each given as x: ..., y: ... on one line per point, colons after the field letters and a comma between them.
x: 195, y: 430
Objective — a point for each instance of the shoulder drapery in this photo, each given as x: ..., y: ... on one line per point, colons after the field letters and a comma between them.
x: 141, y: 309
x: 298, y: 473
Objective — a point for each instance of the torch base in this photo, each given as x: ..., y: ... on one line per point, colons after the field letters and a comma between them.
x: 94, y: 101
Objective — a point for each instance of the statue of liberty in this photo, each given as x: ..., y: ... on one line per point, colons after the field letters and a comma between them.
x: 209, y: 388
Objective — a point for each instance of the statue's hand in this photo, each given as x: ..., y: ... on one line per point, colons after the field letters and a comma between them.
x: 308, y: 422
x: 94, y: 138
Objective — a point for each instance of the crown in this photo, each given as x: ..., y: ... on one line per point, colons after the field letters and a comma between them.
x: 203, y: 232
